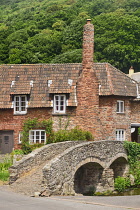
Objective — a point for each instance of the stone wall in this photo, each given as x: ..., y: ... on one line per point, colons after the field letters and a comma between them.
x: 60, y: 174
x: 37, y: 157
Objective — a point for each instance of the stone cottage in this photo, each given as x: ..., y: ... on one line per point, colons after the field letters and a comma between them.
x: 94, y: 96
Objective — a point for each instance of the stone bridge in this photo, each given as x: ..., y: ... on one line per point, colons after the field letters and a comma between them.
x: 77, y: 167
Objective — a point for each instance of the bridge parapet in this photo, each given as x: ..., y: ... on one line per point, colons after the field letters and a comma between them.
x: 38, y: 157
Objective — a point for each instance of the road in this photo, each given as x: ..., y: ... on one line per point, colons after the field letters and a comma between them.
x: 12, y: 201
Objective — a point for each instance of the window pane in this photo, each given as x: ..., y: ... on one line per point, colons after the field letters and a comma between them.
x: 37, y: 133
x: 61, y: 98
x: 32, y: 134
x: 42, y: 135
x: 61, y: 108
x: 37, y: 136
x: 121, y: 106
x: 56, y: 98
x: 42, y: 141
x: 17, y: 98
x: 17, y: 108
x: 23, y: 103
x: 31, y: 137
x: 23, y: 109
x: 23, y: 98
x: 117, y: 106
x: 62, y: 102
x: 17, y: 103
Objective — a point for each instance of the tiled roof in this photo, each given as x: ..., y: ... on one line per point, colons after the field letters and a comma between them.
x: 41, y: 81
x: 114, y: 82
x: 38, y: 80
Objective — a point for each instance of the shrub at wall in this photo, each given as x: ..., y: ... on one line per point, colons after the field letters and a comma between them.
x: 121, y: 183
x: 4, y: 166
x: 74, y: 134
x: 133, y: 150
x: 51, y: 137
x: 35, y: 124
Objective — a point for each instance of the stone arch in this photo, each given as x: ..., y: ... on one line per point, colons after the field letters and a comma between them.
x: 119, y: 164
x: 88, y: 175
x: 62, y: 174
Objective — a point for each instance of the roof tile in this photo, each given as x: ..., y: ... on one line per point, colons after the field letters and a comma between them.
x: 63, y: 79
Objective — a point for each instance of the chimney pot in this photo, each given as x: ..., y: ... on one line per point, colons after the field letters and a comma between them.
x: 131, y: 71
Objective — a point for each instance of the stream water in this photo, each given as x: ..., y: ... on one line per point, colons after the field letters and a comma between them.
x: 135, y: 191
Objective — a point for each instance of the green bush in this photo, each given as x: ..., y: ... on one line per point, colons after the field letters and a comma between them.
x: 4, y: 174
x: 52, y: 137
x: 28, y: 148
x: 30, y: 124
x: 75, y: 134
x: 17, y: 152
x: 133, y: 151
x: 4, y: 166
x: 121, y: 183
x: 135, y: 170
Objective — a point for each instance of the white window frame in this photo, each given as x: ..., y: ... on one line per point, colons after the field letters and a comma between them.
x: 120, y: 106
x: 19, y: 106
x: 120, y: 134
x: 59, y: 104
x: 33, y: 136
x: 19, y: 137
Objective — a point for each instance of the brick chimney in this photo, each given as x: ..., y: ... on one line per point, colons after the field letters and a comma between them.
x: 88, y: 45
x: 87, y: 112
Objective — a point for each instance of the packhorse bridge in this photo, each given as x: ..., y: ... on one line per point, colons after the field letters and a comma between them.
x: 68, y: 168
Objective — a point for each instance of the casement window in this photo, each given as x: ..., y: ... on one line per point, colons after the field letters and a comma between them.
x: 120, y: 106
x: 120, y: 134
x: 37, y: 136
x: 59, y: 104
x: 20, y: 104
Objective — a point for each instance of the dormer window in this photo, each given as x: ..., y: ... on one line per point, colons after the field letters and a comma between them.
x: 20, y: 104
x: 59, y: 104
x: 120, y: 106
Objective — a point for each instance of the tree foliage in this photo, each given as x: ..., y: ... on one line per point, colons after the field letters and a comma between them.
x: 46, y: 31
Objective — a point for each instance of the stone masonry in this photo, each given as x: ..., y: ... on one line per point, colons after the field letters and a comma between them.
x: 89, y: 165
x: 68, y: 168
x: 37, y: 157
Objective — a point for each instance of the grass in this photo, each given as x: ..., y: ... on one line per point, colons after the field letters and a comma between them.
x: 4, y: 166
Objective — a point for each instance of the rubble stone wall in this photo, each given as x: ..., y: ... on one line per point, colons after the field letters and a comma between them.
x: 60, y: 173
x: 37, y: 157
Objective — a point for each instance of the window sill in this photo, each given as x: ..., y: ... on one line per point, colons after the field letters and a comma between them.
x: 120, y: 112
x: 59, y: 114
x: 15, y: 114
